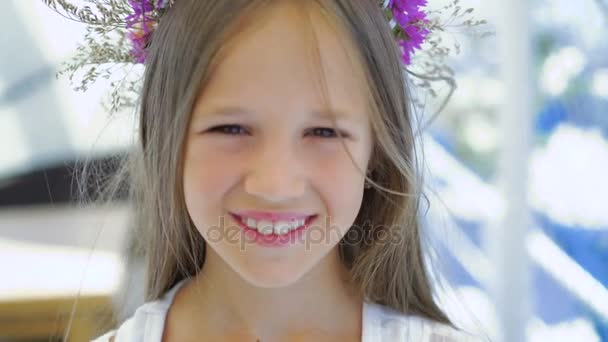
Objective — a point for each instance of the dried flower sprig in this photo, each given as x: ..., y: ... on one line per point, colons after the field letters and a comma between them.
x: 106, y: 49
x: 433, y: 43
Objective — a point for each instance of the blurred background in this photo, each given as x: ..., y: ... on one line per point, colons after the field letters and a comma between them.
x: 517, y: 179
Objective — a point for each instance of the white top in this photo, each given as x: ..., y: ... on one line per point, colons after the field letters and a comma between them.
x: 380, y: 323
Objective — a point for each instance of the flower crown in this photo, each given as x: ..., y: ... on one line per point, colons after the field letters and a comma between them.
x: 118, y: 33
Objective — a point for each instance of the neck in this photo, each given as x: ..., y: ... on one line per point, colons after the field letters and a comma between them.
x: 322, y: 300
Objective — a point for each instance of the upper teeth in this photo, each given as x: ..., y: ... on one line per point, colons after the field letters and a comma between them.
x: 267, y: 227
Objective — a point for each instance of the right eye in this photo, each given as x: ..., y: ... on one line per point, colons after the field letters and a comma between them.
x: 228, y: 129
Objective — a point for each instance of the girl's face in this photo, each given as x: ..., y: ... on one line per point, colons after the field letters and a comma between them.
x: 260, y: 140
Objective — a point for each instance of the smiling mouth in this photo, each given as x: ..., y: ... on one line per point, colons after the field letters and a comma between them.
x: 277, y: 227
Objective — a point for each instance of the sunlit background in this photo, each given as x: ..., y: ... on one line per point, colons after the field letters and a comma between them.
x: 517, y: 164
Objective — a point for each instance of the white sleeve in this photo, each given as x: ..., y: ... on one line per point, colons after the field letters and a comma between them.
x: 133, y: 329
x: 105, y: 337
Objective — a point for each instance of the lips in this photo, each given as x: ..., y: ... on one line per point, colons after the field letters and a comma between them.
x: 272, y: 239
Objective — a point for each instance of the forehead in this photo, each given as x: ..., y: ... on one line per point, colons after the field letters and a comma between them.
x: 287, y: 59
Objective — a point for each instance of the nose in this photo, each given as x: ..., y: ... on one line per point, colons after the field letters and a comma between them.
x: 276, y: 173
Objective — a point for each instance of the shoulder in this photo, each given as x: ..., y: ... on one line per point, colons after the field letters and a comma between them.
x: 146, y: 324
x: 384, y: 323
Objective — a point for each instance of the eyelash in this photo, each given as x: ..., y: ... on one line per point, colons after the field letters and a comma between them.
x: 222, y: 129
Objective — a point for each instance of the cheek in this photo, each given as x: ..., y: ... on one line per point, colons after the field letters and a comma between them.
x: 208, y: 174
x: 340, y: 185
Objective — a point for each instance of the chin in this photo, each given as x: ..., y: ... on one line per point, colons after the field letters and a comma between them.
x: 276, y: 276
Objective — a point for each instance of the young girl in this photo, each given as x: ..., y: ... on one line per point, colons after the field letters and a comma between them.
x: 274, y: 179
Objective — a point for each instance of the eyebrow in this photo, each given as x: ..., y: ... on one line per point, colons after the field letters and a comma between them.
x: 330, y: 114
x: 229, y: 111
x: 322, y: 114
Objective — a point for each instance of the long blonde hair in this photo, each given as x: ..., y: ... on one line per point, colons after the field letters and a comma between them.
x: 182, y: 54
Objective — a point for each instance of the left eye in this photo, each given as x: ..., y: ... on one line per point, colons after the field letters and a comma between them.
x: 325, y: 132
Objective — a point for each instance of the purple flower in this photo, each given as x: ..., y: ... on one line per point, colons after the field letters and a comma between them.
x: 140, y: 25
x: 142, y: 13
x: 139, y: 42
x: 410, y: 17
